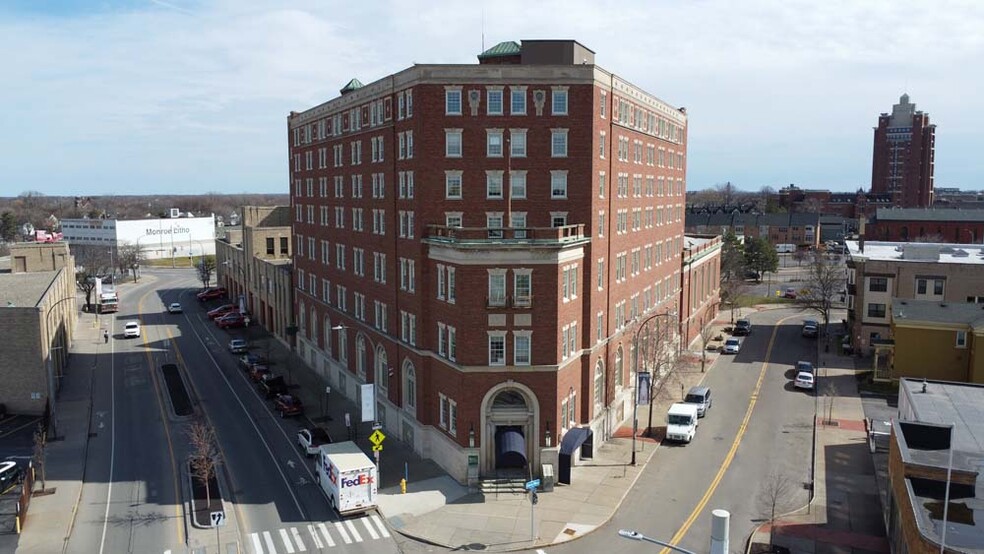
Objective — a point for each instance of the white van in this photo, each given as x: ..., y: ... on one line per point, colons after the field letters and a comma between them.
x: 681, y: 422
x: 785, y: 248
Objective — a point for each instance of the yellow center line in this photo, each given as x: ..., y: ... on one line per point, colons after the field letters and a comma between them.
x: 734, y: 446
x: 241, y: 517
x: 179, y: 506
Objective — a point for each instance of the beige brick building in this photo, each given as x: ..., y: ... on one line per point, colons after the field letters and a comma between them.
x: 37, y: 321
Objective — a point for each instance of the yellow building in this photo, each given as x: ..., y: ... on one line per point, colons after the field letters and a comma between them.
x: 937, y: 340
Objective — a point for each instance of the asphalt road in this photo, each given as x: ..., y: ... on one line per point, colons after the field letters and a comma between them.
x: 674, y: 497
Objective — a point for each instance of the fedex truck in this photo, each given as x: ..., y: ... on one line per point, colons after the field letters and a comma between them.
x: 348, y: 478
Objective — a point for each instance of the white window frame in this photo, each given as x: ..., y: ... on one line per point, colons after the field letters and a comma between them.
x: 558, y: 177
x: 558, y: 143
x: 495, y: 336
x: 450, y: 93
x: 519, y: 338
x: 453, y: 143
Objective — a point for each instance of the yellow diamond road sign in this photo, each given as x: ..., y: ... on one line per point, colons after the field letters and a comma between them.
x: 377, y: 448
x: 377, y: 437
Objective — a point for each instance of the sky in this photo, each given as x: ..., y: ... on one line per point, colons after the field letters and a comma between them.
x: 190, y: 96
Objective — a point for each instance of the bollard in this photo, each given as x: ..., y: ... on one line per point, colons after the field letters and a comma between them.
x: 720, y: 521
x: 403, y: 486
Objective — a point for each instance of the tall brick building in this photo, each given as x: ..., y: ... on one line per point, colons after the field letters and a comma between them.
x: 903, y: 156
x: 477, y: 240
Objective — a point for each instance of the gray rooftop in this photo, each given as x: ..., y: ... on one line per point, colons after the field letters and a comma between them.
x: 961, y: 313
x: 947, y: 403
x: 927, y: 214
x: 970, y: 254
x: 24, y: 289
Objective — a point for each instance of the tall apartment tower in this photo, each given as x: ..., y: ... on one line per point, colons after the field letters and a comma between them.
x: 903, y: 156
x: 480, y: 243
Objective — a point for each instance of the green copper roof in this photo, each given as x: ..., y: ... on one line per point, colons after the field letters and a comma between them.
x: 352, y: 85
x: 508, y: 48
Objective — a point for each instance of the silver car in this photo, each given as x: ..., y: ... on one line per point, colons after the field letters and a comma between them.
x: 732, y: 346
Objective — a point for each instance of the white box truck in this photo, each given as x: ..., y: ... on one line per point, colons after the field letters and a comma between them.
x: 681, y: 422
x: 348, y: 478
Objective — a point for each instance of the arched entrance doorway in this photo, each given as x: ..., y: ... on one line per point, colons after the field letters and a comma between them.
x: 509, y: 414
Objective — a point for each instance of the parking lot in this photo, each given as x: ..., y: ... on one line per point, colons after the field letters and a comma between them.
x: 16, y: 445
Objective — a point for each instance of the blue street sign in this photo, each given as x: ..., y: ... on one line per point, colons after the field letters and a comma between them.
x: 532, y: 485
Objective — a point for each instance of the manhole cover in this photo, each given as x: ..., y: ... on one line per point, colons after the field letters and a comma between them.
x: 569, y: 531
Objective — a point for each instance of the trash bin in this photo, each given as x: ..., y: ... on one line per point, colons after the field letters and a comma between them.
x: 547, y: 479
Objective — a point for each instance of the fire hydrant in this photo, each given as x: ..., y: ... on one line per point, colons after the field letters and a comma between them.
x: 403, y: 486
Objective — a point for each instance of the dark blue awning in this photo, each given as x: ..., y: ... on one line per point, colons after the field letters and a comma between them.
x: 573, y: 439
x: 510, y: 447
x: 578, y: 437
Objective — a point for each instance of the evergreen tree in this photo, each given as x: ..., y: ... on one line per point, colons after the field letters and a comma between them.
x: 761, y: 256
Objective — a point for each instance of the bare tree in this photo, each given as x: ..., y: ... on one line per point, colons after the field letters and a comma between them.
x: 656, y: 351
x: 731, y: 292
x: 40, y: 453
x: 204, y: 455
x: 205, y: 269
x: 773, y: 498
x: 823, y: 282
x: 128, y: 258
x: 90, y: 262
x: 829, y: 393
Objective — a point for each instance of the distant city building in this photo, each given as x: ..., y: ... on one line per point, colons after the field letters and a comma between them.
x: 903, y: 156
x: 845, y: 204
x: 158, y: 238
x: 936, y: 490
x: 926, y: 225
x: 800, y: 229
x: 481, y: 242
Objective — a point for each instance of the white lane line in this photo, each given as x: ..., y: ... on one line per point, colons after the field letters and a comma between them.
x: 343, y: 532
x: 328, y: 538
x: 257, y: 545
x: 112, y: 441
x: 353, y: 530
x: 368, y: 524
x: 287, y: 544
x: 297, y: 539
x: 269, y: 542
x: 379, y: 523
x: 314, y: 536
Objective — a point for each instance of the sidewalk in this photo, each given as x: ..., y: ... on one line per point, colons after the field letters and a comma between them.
x: 845, y: 512
x: 53, y: 515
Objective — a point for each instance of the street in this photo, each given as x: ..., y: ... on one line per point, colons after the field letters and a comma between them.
x: 139, y: 447
x: 734, y: 453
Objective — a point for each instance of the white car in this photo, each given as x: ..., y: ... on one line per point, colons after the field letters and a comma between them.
x: 732, y: 346
x: 238, y: 346
x: 174, y: 308
x: 804, y: 380
x: 131, y: 329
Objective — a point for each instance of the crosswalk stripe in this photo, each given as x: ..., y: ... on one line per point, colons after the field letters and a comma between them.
x: 287, y: 544
x: 353, y: 530
x: 324, y: 530
x: 257, y: 545
x: 368, y: 524
x: 314, y: 536
x: 379, y: 523
x: 342, y: 532
x: 297, y: 539
x: 269, y: 542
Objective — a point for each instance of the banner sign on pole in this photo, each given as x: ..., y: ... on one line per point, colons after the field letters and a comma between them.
x: 642, y: 388
x: 368, y: 402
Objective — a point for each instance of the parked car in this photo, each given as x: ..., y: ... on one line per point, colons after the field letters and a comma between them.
x: 743, y: 328
x: 247, y: 361
x: 310, y: 440
x: 289, y: 405
x: 790, y: 293
x: 802, y: 366
x: 231, y: 320
x: 701, y: 397
x: 221, y: 311
x: 131, y: 330
x: 804, y: 380
x: 272, y: 387
x: 174, y: 308
x: 258, y: 372
x: 238, y: 346
x: 10, y: 475
x: 732, y: 346
x: 811, y: 330
x: 211, y: 294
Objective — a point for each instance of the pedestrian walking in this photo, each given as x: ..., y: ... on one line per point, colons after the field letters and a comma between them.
x: 105, y: 336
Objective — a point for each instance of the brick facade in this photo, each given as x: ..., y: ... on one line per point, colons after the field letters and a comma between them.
x: 903, y: 156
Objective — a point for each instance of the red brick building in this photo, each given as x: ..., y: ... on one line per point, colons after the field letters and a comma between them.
x: 701, y: 285
x: 476, y: 240
x: 904, y: 155
x: 927, y: 225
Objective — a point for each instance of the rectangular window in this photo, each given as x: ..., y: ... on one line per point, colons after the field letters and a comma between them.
x: 494, y: 103
x: 517, y: 101
x: 876, y: 310
x: 920, y: 286
x: 938, y: 287
x: 521, y: 348
x: 558, y: 143
x: 497, y: 348
x: 517, y: 143
x: 452, y: 143
x: 497, y: 288
x: 517, y: 182
x: 451, y: 286
x: 522, y: 288
x: 493, y: 222
x: 452, y: 102
x: 878, y: 284
x: 269, y: 246
x: 559, y: 104
x: 961, y: 339
x: 493, y: 145
x: 493, y: 184
x: 452, y: 185
x: 452, y: 219
x: 558, y: 184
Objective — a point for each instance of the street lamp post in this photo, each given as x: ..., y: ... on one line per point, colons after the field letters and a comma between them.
x: 637, y: 536
x: 635, y: 403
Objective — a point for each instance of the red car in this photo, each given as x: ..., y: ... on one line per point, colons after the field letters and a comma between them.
x: 211, y: 294
x: 231, y: 320
x: 289, y: 405
x: 221, y: 311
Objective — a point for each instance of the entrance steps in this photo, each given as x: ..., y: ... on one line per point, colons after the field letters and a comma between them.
x: 511, y: 483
